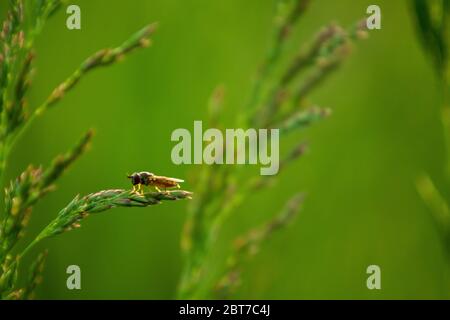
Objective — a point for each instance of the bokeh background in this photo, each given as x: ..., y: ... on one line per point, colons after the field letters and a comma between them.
x: 362, y: 207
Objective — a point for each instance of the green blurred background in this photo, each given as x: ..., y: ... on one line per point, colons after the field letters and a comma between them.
x: 361, y: 208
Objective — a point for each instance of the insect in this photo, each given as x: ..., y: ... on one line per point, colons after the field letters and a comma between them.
x: 144, y: 178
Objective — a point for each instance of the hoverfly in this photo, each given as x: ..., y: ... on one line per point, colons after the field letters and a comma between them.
x: 138, y: 179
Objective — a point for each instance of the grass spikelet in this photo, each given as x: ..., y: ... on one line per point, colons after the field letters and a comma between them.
x: 34, y: 276
x: 78, y: 209
x: 24, y: 22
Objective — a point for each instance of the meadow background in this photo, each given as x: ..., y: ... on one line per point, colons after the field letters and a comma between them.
x: 361, y: 208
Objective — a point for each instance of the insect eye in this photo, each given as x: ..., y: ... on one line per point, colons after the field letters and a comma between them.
x: 135, y: 179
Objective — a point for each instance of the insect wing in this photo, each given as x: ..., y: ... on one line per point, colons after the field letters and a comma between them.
x: 167, y: 179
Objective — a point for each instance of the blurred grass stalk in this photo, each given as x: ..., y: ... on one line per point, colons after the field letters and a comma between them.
x: 24, y: 21
x: 276, y: 101
x: 433, y: 26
